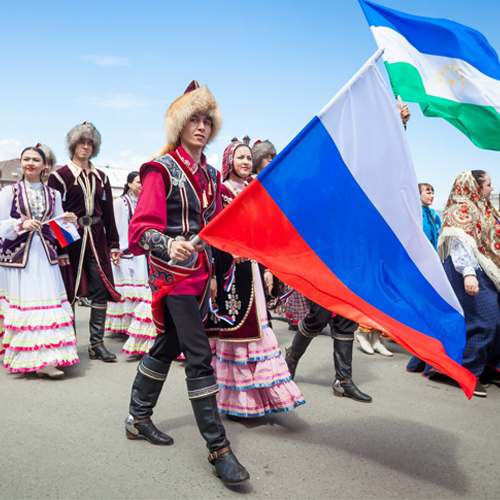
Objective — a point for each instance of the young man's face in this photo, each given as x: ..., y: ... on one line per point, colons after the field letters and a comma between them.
x: 46, y: 171
x: 196, y: 132
x: 83, y: 149
x: 427, y: 196
x: 264, y: 162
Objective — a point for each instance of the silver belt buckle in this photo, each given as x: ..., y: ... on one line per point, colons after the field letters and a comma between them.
x: 86, y: 220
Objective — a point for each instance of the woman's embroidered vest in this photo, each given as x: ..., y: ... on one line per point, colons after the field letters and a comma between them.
x: 14, y: 253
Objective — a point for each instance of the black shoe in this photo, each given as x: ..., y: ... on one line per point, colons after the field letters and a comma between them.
x: 349, y: 389
x: 227, y: 467
x: 148, y: 430
x: 480, y: 390
x: 293, y: 327
x: 99, y: 351
x: 490, y: 375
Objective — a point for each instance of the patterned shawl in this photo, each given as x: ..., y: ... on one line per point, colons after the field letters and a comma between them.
x: 473, y: 220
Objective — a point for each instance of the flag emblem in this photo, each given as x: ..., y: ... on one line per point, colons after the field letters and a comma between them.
x: 452, y: 77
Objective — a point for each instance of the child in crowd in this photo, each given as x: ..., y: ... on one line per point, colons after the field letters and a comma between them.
x: 431, y: 226
x: 431, y: 220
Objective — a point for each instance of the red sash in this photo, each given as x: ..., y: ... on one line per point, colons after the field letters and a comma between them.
x: 162, y: 278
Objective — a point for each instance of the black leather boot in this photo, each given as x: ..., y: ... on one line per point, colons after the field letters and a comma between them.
x: 97, y: 350
x: 342, y: 358
x: 300, y: 343
x: 151, y: 375
x: 202, y: 393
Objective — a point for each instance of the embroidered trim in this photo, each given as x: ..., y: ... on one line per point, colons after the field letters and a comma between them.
x: 203, y: 392
x: 348, y: 337
x: 305, y: 332
x: 151, y: 374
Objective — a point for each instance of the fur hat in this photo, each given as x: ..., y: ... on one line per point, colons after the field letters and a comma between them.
x: 84, y: 131
x: 50, y: 157
x: 195, y: 99
x: 261, y: 149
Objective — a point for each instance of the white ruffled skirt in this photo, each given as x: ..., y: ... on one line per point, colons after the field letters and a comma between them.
x: 36, y: 319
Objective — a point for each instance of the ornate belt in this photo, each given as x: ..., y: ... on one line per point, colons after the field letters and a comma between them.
x: 87, y: 220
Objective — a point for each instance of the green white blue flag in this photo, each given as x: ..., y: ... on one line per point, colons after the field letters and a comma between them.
x: 449, y: 69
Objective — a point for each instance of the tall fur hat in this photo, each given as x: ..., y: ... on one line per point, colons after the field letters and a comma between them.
x: 259, y: 150
x: 50, y: 157
x: 195, y: 99
x: 84, y: 131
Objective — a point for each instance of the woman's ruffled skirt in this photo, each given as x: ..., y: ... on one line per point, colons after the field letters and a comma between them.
x: 131, y: 281
x: 36, y: 319
x: 297, y: 307
x: 132, y: 315
x: 253, y: 377
x: 141, y: 331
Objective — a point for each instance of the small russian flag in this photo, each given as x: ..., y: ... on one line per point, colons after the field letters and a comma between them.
x: 64, y: 231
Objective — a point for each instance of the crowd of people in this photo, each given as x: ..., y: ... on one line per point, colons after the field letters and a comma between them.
x: 147, y: 277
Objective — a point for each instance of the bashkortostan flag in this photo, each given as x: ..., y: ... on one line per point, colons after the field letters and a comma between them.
x: 449, y: 69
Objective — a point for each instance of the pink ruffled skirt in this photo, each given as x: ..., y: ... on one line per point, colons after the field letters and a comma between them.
x: 253, y: 377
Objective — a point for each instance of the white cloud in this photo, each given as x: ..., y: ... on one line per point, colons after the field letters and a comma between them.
x: 117, y: 101
x: 213, y: 159
x: 10, y: 148
x: 106, y: 60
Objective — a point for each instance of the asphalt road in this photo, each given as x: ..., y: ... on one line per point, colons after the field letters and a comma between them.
x: 419, y: 439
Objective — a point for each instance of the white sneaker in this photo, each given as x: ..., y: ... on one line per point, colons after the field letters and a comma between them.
x: 378, y: 345
x: 50, y: 371
x: 364, y: 341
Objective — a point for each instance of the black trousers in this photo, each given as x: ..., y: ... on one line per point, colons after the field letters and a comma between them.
x: 318, y: 317
x: 97, y: 292
x: 184, y: 332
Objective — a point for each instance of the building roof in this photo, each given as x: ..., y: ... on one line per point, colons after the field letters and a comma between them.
x: 9, y: 175
x: 8, y: 171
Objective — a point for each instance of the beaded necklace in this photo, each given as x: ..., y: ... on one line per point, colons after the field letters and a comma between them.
x: 36, y: 199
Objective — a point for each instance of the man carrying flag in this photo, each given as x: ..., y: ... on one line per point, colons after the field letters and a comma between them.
x: 388, y: 277
x: 180, y: 195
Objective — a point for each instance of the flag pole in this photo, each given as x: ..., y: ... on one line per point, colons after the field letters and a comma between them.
x: 347, y: 87
x: 194, y: 241
x: 45, y: 222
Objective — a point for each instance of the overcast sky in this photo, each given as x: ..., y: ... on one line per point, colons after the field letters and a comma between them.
x: 271, y: 65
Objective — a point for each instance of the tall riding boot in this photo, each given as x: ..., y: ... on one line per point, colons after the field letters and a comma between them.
x: 151, y: 375
x: 97, y: 350
x: 202, y: 393
x: 300, y: 343
x: 342, y: 359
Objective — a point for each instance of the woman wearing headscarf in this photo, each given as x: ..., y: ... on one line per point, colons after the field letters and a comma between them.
x: 469, y: 245
x: 132, y: 315
x: 252, y: 376
x: 36, y: 319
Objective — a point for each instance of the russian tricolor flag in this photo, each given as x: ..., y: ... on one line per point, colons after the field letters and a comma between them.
x: 64, y: 231
x: 337, y: 217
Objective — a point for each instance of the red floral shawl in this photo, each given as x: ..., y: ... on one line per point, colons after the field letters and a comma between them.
x: 472, y: 219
